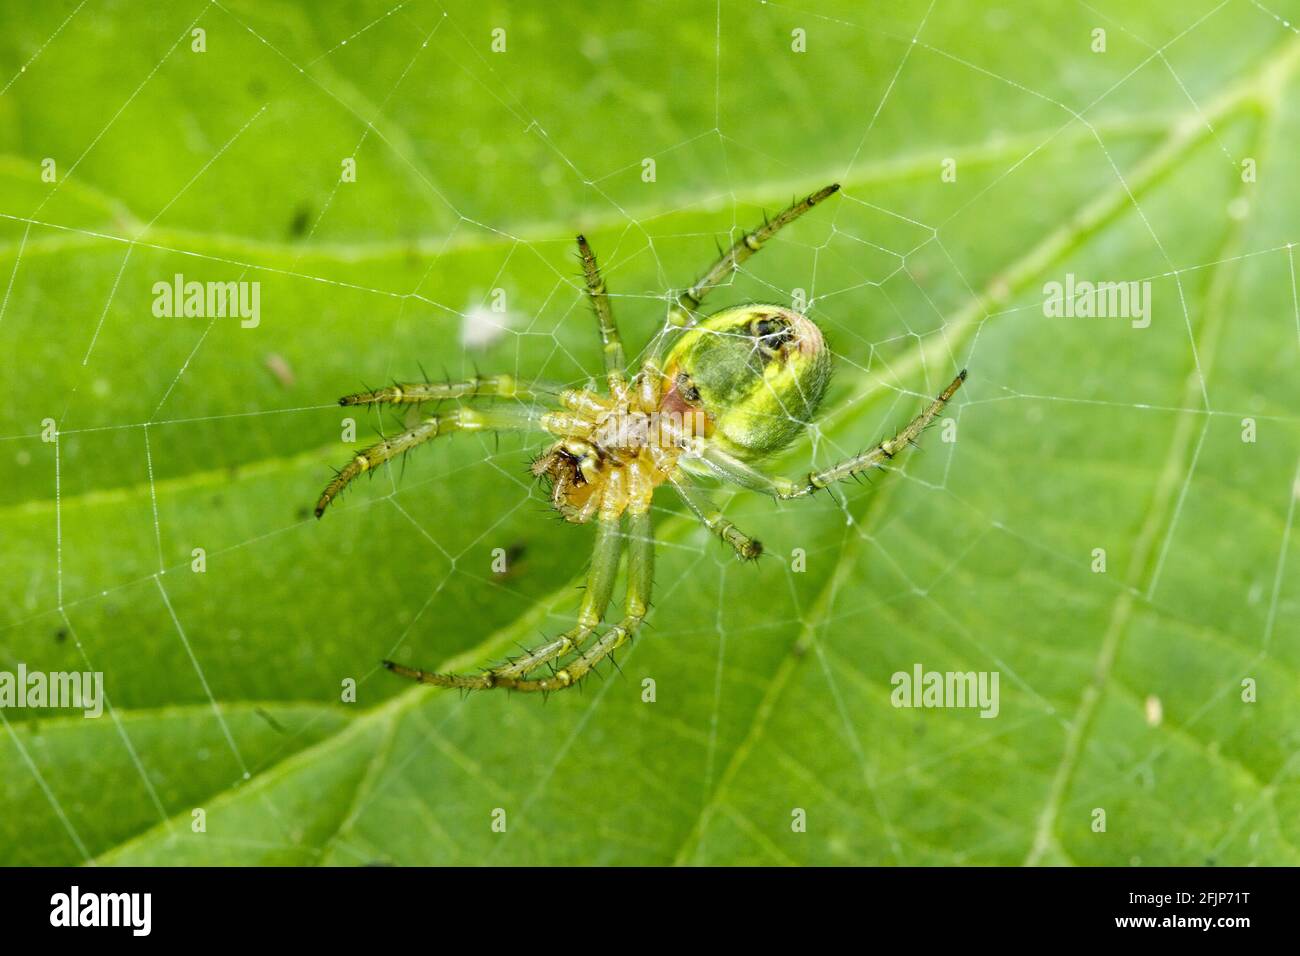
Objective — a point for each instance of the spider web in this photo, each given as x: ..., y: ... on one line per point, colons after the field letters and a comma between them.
x: 196, y: 436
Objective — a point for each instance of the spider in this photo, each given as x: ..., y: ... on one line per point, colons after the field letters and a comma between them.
x: 736, y: 386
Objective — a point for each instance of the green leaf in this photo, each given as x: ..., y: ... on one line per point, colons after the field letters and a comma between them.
x: 1119, y: 690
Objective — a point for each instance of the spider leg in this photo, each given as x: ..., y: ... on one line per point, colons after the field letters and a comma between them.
x: 640, y: 574
x: 747, y: 476
x: 640, y: 577
x: 496, y: 418
x: 611, y: 342
x: 745, y: 547
x: 595, y: 599
x: 682, y: 311
x: 480, y: 386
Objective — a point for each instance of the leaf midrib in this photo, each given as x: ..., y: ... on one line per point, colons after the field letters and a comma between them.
x: 882, y: 171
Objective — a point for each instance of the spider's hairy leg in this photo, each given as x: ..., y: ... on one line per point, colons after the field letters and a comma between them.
x: 683, y: 309
x: 595, y: 599
x: 747, y: 476
x: 611, y: 342
x: 746, y: 548
x: 640, y: 577
x: 481, y: 386
x: 495, y: 418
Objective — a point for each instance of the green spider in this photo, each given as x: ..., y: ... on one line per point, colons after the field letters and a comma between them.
x: 735, y: 387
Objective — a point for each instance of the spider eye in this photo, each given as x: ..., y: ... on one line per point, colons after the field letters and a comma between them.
x: 772, y: 332
x: 686, y: 388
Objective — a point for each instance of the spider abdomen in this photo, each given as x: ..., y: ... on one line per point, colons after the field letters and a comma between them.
x: 757, y: 371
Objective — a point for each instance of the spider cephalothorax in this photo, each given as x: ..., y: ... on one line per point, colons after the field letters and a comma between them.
x: 615, y: 450
x: 735, y: 387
